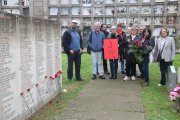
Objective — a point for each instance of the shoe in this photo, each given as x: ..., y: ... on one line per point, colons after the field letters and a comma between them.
x: 145, y: 84
x: 115, y: 76
x: 112, y: 77
x: 140, y: 76
x: 102, y: 77
x: 123, y: 72
x: 107, y: 73
x: 126, y: 78
x: 133, y: 78
x: 161, y: 85
x: 80, y: 79
x: 94, y: 77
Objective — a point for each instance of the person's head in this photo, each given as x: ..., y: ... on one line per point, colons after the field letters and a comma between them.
x: 129, y: 30
x: 74, y: 24
x: 113, y: 29
x: 164, y: 32
x: 119, y: 26
x: 134, y: 30
x: 97, y: 26
x: 103, y: 27
x: 146, y: 33
x: 141, y: 29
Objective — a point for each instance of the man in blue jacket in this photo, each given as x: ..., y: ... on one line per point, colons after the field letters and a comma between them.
x: 72, y: 43
x: 95, y: 42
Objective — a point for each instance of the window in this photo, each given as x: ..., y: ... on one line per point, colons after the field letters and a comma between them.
x: 5, y: 2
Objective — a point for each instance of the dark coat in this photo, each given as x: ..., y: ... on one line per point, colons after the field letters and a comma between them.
x: 148, y: 42
x: 130, y: 57
x: 122, y: 44
x: 66, y: 40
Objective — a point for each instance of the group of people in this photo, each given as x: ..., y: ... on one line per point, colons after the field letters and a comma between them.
x: 164, y: 51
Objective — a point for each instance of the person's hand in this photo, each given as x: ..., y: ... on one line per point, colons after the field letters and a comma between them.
x: 71, y: 51
x: 80, y: 51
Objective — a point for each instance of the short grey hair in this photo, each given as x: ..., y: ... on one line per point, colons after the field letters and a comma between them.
x: 97, y: 23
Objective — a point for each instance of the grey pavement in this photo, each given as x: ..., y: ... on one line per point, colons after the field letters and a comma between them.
x: 107, y: 100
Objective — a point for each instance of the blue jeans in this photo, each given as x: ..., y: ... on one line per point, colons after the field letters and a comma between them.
x: 145, y: 71
x: 122, y: 65
x: 96, y: 61
x: 114, y: 66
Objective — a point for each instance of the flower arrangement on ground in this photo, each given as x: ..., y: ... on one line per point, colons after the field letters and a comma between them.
x: 174, y: 96
x: 139, y: 50
x: 174, y: 93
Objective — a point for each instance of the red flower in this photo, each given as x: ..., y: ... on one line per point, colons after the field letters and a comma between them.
x: 51, y: 77
x: 29, y: 89
x: 50, y: 102
x: 22, y: 93
x: 56, y: 75
x: 37, y: 85
x: 60, y: 72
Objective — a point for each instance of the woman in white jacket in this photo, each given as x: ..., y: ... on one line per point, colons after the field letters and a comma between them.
x: 164, y: 53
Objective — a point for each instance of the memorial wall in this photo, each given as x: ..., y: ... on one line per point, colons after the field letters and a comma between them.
x: 30, y: 65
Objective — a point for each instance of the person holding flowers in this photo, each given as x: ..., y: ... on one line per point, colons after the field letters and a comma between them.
x: 130, y: 58
x: 146, y: 41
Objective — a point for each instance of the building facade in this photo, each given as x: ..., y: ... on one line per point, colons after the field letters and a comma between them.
x: 20, y: 7
x: 152, y: 13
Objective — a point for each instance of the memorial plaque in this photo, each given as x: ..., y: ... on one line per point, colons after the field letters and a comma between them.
x: 179, y: 75
x: 171, y: 78
x: 30, y: 51
x: 9, y: 65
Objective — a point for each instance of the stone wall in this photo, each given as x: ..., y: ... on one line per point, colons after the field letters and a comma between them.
x: 30, y: 65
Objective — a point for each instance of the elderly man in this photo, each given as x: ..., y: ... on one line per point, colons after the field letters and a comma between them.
x: 72, y: 42
x: 95, y: 42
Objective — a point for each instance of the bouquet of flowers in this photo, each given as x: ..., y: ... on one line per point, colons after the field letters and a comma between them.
x: 174, y: 93
x: 139, y: 50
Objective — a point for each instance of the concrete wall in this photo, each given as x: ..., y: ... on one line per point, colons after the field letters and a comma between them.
x: 30, y: 57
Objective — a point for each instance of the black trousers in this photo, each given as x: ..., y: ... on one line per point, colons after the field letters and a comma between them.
x: 130, y: 69
x: 76, y: 57
x: 105, y: 64
x: 164, y: 68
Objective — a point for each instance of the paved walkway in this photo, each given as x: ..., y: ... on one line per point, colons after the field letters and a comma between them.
x: 107, y: 100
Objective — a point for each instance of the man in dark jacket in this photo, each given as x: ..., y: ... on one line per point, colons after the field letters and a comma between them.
x: 72, y: 43
x: 106, y: 33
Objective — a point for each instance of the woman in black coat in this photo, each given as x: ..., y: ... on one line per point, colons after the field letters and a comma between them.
x: 130, y: 59
x: 146, y: 41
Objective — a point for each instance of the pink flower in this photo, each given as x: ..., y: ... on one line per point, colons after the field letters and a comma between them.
x: 177, y: 88
x: 173, y: 93
x: 172, y: 98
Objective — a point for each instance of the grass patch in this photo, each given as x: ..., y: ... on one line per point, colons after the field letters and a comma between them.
x: 155, y: 99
